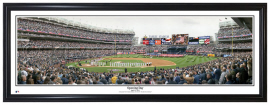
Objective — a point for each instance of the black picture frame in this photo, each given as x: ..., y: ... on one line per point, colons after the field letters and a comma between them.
x: 261, y: 7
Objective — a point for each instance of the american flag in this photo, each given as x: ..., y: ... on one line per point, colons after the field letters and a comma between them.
x: 182, y: 39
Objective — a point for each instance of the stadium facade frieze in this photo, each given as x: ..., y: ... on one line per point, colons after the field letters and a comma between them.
x: 69, y: 48
x: 66, y: 38
x: 70, y: 36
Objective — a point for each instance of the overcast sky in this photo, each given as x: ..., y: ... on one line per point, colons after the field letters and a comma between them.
x: 157, y: 25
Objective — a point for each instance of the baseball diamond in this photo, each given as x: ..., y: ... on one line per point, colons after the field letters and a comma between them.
x: 160, y: 62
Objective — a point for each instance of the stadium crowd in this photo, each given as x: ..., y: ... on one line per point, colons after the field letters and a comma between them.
x: 236, y: 38
x: 40, y: 69
x: 200, y: 48
x: 58, y: 29
x: 49, y: 58
x: 52, y: 44
x: 236, y: 31
x: 235, y: 45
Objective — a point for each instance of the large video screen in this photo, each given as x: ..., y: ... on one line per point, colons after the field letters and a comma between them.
x: 193, y: 40
x: 180, y: 39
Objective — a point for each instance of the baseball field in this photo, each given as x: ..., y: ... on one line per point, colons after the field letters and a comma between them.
x: 159, y: 62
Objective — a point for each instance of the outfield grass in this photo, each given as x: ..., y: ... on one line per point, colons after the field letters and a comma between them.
x: 180, y: 62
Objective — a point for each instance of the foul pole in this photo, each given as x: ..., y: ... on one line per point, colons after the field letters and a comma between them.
x: 115, y: 44
x: 232, y: 41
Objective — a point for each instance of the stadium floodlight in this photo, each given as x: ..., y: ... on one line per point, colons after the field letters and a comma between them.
x: 84, y: 26
x: 97, y: 29
x: 127, y: 32
x: 70, y: 22
x: 47, y: 18
x: 77, y: 24
x: 54, y: 18
x: 94, y: 28
x: 114, y: 30
x: 89, y: 27
x: 111, y: 31
x: 121, y: 31
x: 130, y: 31
x: 108, y: 30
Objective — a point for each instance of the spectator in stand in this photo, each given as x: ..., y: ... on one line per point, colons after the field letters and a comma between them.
x: 210, y: 79
x: 171, y: 81
x: 217, y: 74
x: 39, y: 81
x: 202, y: 76
x: 103, y: 80
x: 190, y: 78
x: 176, y: 77
x: 53, y: 80
x: 71, y: 82
x: 222, y: 79
x: 29, y: 79
x: 114, y: 78
x: 47, y: 80
x: 119, y: 81
x: 23, y: 81
x: 196, y: 78
x: 182, y: 80
x: 228, y: 79
x: 64, y: 79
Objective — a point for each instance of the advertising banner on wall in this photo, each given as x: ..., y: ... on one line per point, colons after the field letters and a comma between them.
x: 145, y: 42
x: 193, y: 43
x: 151, y: 42
x: 201, y: 41
x: 204, y: 40
x: 204, y: 37
x: 166, y: 41
x: 225, y: 55
x: 193, y: 40
x: 157, y: 42
x: 207, y: 41
x: 211, y: 55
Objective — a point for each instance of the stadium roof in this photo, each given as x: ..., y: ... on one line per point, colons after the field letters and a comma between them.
x: 244, y: 22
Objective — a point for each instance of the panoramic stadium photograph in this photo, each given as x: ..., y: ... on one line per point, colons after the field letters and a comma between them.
x: 134, y: 50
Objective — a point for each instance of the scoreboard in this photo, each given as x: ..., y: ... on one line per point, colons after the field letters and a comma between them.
x: 157, y: 41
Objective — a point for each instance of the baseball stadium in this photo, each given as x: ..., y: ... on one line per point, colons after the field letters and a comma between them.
x: 55, y: 50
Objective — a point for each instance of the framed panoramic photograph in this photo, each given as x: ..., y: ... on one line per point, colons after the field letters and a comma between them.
x: 144, y: 52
